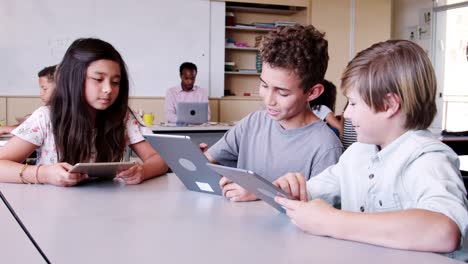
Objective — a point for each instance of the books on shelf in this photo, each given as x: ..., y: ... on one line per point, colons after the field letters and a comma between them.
x: 264, y: 25
x: 245, y: 26
x: 258, y: 40
x: 247, y: 70
x: 284, y: 23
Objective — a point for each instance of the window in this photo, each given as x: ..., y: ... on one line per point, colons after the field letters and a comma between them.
x: 451, y: 62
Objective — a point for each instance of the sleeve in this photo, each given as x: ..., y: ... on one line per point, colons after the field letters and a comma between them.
x: 170, y: 107
x: 133, y: 130
x: 226, y: 150
x: 322, y: 113
x: 34, y: 128
x: 325, y: 159
x: 143, y: 128
x: 326, y: 185
x: 433, y: 180
x: 325, y: 111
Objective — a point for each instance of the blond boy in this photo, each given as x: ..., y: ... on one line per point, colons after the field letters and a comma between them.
x: 398, y: 186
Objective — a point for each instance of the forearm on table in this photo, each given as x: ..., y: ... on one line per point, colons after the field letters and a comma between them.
x: 154, y: 166
x: 10, y: 172
x: 414, y: 229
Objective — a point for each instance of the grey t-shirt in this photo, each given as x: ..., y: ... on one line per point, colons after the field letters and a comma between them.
x: 260, y: 144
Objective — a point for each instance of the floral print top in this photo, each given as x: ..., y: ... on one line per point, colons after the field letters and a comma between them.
x: 37, y: 129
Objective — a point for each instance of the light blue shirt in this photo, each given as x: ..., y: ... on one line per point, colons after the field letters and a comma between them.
x: 414, y: 171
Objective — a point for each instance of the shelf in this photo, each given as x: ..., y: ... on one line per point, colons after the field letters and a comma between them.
x: 243, y: 98
x: 242, y: 73
x: 263, y: 10
x: 247, y: 28
x: 242, y: 48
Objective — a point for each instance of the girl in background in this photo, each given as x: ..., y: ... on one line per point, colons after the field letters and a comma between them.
x: 88, y: 120
x: 324, y: 107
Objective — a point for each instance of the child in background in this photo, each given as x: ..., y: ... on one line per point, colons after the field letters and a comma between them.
x: 286, y: 136
x: 348, y: 136
x: 47, y: 87
x: 87, y: 120
x: 324, y: 107
x: 398, y: 186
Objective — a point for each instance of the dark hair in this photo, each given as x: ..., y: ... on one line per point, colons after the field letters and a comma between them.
x: 327, y: 98
x: 47, y: 72
x: 301, y: 49
x: 188, y: 66
x: 75, y: 136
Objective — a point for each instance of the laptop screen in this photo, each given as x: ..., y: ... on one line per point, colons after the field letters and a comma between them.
x: 192, y: 112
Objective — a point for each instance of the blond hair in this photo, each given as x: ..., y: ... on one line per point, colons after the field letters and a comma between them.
x: 400, y: 67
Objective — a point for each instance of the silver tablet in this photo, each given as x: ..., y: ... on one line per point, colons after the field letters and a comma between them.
x: 253, y: 183
x: 101, y: 169
x: 187, y: 162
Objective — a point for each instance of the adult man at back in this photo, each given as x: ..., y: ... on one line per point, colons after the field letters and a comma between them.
x: 187, y: 91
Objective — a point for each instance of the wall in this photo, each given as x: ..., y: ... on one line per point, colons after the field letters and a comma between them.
x: 405, y: 16
x: 154, y: 37
x: 350, y: 26
x: 15, y: 107
x: 154, y: 48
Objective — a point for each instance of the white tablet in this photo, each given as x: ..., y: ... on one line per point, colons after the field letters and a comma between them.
x: 253, y: 183
x: 101, y: 169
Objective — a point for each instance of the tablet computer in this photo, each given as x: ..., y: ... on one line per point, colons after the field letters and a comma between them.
x: 253, y: 183
x: 187, y: 161
x: 101, y: 169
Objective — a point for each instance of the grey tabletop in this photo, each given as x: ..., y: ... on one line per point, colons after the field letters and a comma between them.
x: 15, y: 247
x: 159, y: 221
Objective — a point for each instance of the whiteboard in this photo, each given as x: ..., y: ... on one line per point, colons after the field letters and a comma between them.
x: 153, y: 36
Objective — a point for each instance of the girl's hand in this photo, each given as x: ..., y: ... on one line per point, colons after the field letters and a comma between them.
x: 133, y: 175
x: 57, y: 174
x: 315, y: 216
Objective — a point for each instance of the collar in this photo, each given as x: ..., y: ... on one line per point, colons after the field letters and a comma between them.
x: 182, y: 90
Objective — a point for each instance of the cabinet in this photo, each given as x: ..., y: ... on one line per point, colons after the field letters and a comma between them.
x: 246, y: 24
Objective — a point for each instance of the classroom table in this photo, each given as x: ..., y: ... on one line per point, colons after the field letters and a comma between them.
x: 205, y: 133
x: 160, y: 221
x: 14, y: 243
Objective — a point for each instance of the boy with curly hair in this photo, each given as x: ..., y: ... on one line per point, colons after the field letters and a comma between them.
x: 287, y: 135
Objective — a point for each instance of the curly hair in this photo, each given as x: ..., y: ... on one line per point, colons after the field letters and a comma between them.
x: 301, y: 49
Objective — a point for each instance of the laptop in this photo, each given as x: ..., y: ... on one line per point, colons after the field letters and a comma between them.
x: 253, y: 183
x: 187, y: 162
x: 192, y: 113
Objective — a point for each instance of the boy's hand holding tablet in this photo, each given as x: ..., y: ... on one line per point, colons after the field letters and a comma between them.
x: 308, y: 216
x: 294, y: 184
